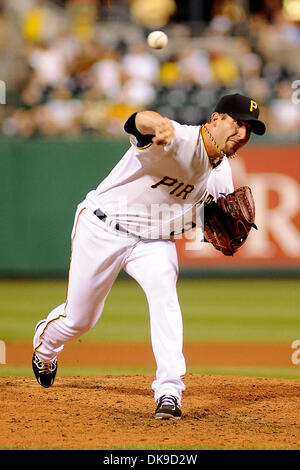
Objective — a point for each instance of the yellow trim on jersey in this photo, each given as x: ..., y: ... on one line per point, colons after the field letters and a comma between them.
x: 140, y: 148
x: 49, y: 323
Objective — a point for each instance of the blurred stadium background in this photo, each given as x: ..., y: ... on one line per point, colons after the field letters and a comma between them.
x: 74, y: 70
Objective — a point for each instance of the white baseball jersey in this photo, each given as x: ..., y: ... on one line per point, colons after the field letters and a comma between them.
x: 154, y: 191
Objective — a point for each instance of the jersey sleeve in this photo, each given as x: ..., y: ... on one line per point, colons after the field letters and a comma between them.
x: 220, y: 180
x: 184, y: 148
x: 184, y: 135
x: 185, y: 144
x: 141, y: 140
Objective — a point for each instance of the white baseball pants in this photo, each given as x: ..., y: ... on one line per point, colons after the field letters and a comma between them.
x: 98, y: 254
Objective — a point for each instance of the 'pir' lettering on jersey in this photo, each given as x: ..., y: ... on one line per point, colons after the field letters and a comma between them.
x: 179, y: 189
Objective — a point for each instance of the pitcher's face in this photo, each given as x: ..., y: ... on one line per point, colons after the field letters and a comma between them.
x: 231, y: 134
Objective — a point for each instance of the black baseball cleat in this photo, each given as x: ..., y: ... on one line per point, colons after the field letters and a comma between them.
x: 168, y: 408
x: 44, y: 372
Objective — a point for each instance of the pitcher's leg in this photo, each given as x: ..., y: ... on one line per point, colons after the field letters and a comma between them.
x: 154, y: 266
x: 47, y: 350
x: 96, y: 260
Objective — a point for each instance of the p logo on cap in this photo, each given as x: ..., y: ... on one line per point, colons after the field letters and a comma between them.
x: 241, y: 108
x: 253, y: 105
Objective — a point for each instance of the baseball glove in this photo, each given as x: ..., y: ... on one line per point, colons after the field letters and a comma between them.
x: 228, y: 221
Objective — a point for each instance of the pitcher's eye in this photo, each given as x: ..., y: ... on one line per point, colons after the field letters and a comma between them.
x: 247, y: 125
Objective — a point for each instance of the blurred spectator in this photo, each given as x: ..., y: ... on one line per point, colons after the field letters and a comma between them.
x: 169, y: 73
x: 83, y: 17
x: 139, y: 63
x: 289, y: 32
x: 220, y: 25
x: 70, y: 74
x: 138, y: 92
x: 106, y: 75
x: 152, y: 13
x: 61, y: 115
x: 250, y: 64
x: 284, y: 114
x: 40, y: 19
x: 48, y: 64
x: 4, y: 30
x: 34, y: 91
x: 224, y: 69
x: 34, y: 24
x: 194, y: 66
x: 22, y: 123
x: 258, y: 87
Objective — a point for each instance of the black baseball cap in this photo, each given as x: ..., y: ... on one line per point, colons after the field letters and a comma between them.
x: 242, y: 108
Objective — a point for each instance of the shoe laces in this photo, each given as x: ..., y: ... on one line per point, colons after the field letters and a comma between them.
x: 45, y: 367
x: 168, y: 400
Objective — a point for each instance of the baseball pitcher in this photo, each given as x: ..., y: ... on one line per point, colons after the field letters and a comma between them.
x: 130, y: 222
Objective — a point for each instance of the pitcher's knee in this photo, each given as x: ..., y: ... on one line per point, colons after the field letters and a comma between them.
x: 76, y: 327
x: 161, y: 285
x: 164, y: 291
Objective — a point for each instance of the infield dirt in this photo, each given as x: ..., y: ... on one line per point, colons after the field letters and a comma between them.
x: 78, y: 353
x: 117, y: 411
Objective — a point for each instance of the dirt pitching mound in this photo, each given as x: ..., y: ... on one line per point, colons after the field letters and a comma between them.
x: 117, y: 411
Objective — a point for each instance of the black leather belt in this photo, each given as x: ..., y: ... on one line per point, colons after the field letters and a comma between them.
x: 98, y: 213
x: 102, y: 216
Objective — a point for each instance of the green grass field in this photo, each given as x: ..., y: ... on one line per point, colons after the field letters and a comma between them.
x: 213, y: 310
x: 249, y: 311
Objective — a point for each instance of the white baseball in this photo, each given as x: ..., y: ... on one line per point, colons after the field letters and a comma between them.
x: 157, y: 40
